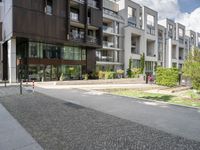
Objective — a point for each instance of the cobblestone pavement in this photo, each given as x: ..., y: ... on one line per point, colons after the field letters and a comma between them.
x: 61, y: 125
x: 11, y: 90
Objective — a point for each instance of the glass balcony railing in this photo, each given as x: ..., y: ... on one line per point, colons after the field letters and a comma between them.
x: 108, y: 44
x: 150, y: 30
x: 77, y: 36
x: 74, y: 16
x: 112, y: 14
x: 108, y: 29
x: 92, y: 39
x: 150, y: 53
x: 80, y: 1
x: 92, y: 3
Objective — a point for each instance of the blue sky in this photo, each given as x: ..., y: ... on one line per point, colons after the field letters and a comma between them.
x: 188, y: 5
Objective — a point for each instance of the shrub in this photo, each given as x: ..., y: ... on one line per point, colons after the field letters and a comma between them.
x: 109, y: 75
x: 85, y: 76
x: 135, y: 72
x: 101, y: 75
x: 191, y: 68
x: 129, y: 72
x: 120, y: 73
x: 167, y: 76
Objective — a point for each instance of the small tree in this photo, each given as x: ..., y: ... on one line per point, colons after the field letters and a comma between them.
x: 142, y: 62
x: 191, y: 67
x: 129, y: 72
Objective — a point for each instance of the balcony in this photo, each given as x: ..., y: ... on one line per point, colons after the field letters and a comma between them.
x: 150, y: 53
x: 150, y: 30
x: 74, y: 16
x: 181, y: 40
x: 108, y: 44
x: 112, y: 14
x: 77, y: 37
x: 92, y: 3
x: 92, y: 39
x: 108, y: 29
x: 80, y: 1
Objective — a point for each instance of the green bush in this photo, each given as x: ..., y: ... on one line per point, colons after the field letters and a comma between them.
x: 110, y: 75
x: 120, y: 73
x: 135, y: 72
x: 101, y: 75
x: 167, y: 76
x: 191, y: 67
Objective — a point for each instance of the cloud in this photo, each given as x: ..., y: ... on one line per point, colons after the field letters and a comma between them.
x: 190, y: 20
x: 171, y: 9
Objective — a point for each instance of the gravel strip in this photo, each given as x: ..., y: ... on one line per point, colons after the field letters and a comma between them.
x: 59, y: 125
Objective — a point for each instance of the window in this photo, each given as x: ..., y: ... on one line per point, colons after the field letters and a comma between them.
x: 150, y: 20
x: 131, y: 12
x: 180, y: 32
x: 49, y: 7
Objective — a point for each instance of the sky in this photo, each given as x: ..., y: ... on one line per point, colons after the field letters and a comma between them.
x: 186, y: 12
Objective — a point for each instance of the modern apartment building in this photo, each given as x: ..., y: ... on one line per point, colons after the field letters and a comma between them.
x: 110, y: 56
x: 47, y: 39
x: 140, y: 34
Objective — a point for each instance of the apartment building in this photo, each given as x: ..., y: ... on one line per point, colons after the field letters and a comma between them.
x: 110, y: 56
x: 161, y: 46
x: 47, y: 39
x: 140, y: 34
x: 1, y: 42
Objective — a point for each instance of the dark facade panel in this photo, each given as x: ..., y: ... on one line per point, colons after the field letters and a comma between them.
x: 33, y: 24
x: 0, y: 31
x: 96, y: 17
x: 91, y: 60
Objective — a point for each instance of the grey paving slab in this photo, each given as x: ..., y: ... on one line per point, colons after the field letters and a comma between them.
x: 12, y: 135
x: 176, y: 120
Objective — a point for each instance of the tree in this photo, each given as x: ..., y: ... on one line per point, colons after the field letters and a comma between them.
x: 191, y: 67
x: 142, y: 62
x: 129, y: 72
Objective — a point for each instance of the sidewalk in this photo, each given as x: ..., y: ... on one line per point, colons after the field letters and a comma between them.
x: 13, y: 136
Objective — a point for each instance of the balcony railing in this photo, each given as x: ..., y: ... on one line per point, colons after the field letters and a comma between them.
x: 92, y: 3
x: 150, y: 30
x: 74, y: 16
x: 92, y: 39
x: 181, y: 40
x: 112, y: 14
x: 108, y: 44
x: 108, y: 29
x: 181, y: 57
x: 150, y: 53
x: 80, y: 1
x: 77, y: 37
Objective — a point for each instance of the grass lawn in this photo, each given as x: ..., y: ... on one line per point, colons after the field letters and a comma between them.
x: 192, y: 100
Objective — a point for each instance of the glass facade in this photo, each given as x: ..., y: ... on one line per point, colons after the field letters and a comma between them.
x: 50, y: 62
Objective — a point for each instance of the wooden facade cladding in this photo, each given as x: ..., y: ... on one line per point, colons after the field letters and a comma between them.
x: 29, y: 20
x: 39, y: 61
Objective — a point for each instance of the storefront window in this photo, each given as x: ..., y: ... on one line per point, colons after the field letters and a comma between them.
x: 77, y: 53
x: 83, y: 54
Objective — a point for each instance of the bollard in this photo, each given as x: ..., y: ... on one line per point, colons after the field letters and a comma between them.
x: 21, y: 87
x: 33, y: 86
x: 5, y: 83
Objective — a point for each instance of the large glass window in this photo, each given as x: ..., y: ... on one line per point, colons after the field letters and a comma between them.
x: 180, y: 31
x: 49, y: 7
x: 150, y: 20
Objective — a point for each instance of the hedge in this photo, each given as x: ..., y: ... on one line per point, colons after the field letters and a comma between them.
x: 167, y: 76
